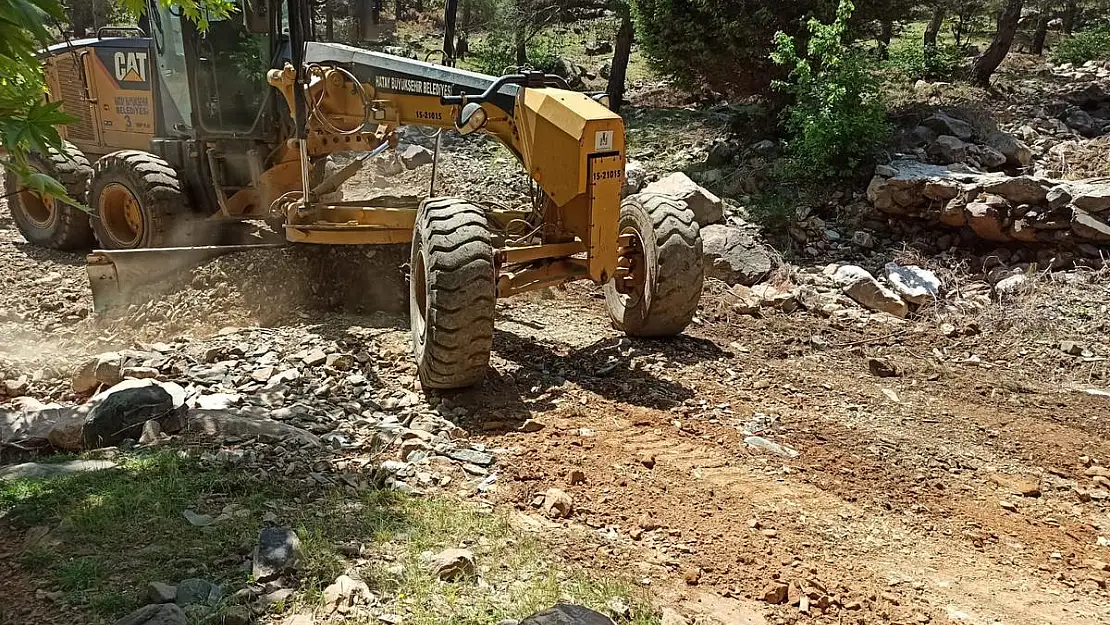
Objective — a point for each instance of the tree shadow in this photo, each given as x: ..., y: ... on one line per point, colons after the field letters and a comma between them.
x: 118, y: 528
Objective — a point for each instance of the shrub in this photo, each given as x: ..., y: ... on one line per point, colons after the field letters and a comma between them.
x: 496, y: 53
x: 837, y: 118
x: 915, y: 62
x: 1089, y: 45
x: 719, y: 43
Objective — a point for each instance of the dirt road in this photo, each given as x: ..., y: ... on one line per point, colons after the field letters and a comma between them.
x: 950, y: 490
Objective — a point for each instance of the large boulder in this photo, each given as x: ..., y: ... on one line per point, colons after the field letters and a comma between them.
x: 120, y: 412
x: 1016, y: 152
x: 1093, y: 197
x: 570, y: 71
x: 944, y: 124
x: 858, y: 284
x: 29, y: 422
x: 708, y: 208
x: 102, y: 369
x: 989, y: 158
x: 278, y: 552
x: 987, y: 217
x: 414, y: 156
x: 599, y: 47
x: 1018, y: 190
x: 1090, y: 227
x: 1082, y: 122
x: 949, y: 149
x: 34, y: 470
x: 67, y: 430
x: 35, y: 425
x: 734, y: 256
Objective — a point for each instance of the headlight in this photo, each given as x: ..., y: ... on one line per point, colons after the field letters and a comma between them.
x: 602, y: 99
x: 471, y: 118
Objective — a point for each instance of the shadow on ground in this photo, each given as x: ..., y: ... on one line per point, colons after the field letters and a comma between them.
x: 607, y: 367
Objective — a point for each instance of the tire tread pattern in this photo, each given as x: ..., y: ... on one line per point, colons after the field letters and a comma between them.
x: 455, y: 236
x: 161, y: 194
x: 674, y: 245
x: 72, y: 231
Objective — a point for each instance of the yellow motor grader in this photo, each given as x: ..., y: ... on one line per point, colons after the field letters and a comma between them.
x: 179, y: 130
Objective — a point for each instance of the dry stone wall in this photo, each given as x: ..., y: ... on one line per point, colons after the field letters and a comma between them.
x: 997, y: 207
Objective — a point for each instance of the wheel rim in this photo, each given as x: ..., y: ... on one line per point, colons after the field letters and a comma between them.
x: 419, y: 295
x: 41, y: 210
x: 631, y: 268
x: 121, y: 214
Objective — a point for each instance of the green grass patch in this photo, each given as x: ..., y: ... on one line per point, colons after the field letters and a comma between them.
x: 112, y: 532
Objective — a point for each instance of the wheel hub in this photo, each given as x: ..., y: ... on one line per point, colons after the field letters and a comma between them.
x: 122, y: 214
x: 631, y: 266
x: 39, y: 209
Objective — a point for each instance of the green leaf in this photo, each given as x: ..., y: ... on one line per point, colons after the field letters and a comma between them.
x: 44, y: 185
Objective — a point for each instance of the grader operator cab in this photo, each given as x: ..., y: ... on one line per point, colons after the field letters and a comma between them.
x: 186, y: 130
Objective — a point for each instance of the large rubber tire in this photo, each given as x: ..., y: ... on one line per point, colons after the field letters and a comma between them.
x: 452, y: 293
x: 164, y: 217
x: 665, y: 301
x: 51, y: 223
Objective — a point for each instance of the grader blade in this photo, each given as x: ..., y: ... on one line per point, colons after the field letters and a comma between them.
x: 116, y: 275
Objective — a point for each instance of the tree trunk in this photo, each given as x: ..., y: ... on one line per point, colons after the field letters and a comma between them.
x: 398, y: 10
x: 886, y: 31
x: 450, y: 11
x: 520, y: 44
x: 959, y: 29
x: 619, y: 70
x: 989, y: 60
x: 329, y: 21
x: 467, y: 11
x: 1041, y: 33
x: 933, y: 29
x: 1071, y: 9
x: 352, y: 22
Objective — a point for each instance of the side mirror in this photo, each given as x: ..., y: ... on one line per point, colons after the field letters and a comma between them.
x: 256, y: 16
x: 471, y: 119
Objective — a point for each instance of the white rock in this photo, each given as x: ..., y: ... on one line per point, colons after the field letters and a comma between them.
x: 345, y: 593
x: 634, y: 174
x: 1012, y: 285
x: 451, y: 564
x: 914, y: 284
x: 861, y: 286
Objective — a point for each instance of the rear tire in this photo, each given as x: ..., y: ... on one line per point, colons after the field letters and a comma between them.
x: 664, y: 298
x: 45, y: 221
x: 452, y: 293
x: 139, y: 202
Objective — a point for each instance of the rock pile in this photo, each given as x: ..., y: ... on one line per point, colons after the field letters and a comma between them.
x: 844, y: 293
x: 996, y: 207
x: 284, y: 399
x: 944, y: 139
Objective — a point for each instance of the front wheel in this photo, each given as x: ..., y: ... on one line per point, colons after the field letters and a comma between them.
x: 658, y: 285
x: 452, y: 293
x: 139, y: 202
